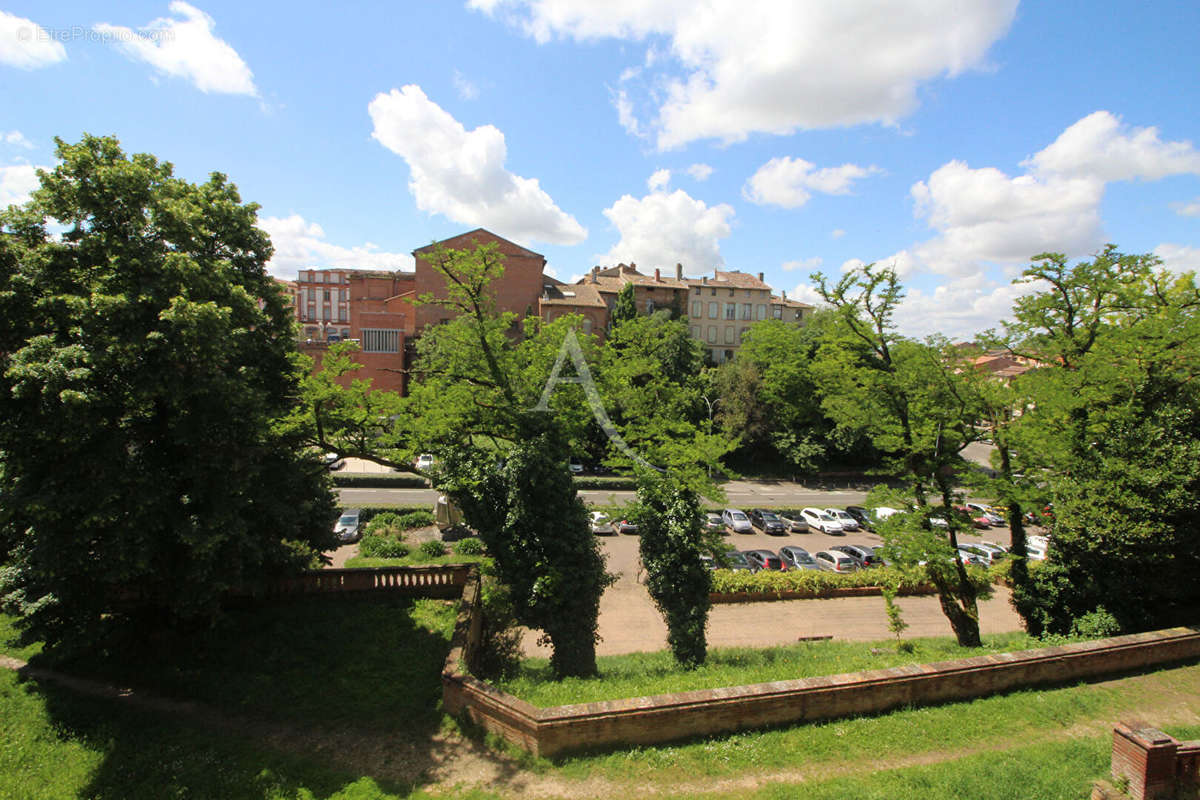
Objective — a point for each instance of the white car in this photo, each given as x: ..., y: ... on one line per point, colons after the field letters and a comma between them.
x: 847, y: 522
x: 1037, y: 548
x: 986, y: 554
x: 736, y: 521
x: 424, y: 461
x: 883, y: 512
x: 602, y: 525
x: 820, y: 521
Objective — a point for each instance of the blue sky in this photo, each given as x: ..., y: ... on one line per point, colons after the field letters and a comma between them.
x: 952, y: 138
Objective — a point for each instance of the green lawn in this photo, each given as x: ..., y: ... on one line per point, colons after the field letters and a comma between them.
x: 340, y: 699
x: 642, y: 674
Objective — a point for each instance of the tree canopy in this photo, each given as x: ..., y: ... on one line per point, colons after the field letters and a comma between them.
x: 145, y: 363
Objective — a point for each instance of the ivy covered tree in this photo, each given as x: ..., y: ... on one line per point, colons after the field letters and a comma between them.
x: 145, y: 365
x: 625, y: 307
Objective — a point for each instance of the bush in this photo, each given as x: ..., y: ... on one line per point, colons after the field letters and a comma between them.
x: 1096, y: 624
x: 469, y: 547
x: 433, y: 548
x: 415, y: 519
x: 381, y: 545
x: 379, y: 481
x: 906, y: 580
x: 387, y: 522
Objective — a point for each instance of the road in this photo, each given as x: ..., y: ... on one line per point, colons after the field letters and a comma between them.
x: 741, y: 494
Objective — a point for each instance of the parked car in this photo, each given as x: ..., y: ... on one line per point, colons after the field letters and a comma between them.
x: 999, y: 549
x: 991, y: 513
x: 797, y: 558
x: 601, y: 524
x: 863, y: 556
x: 865, y: 517
x: 1037, y: 547
x: 764, y: 559
x: 736, y: 561
x: 625, y: 526
x: 424, y: 461
x: 848, y: 522
x: 334, y: 461
x: 736, y: 521
x: 969, y: 557
x: 987, y: 554
x: 713, y: 522
x: 819, y: 520
x: 794, y: 520
x: 977, y: 518
x: 575, y: 465
x: 883, y: 512
x: 835, y: 561
x: 708, y: 561
x: 767, y: 521
x: 347, y: 530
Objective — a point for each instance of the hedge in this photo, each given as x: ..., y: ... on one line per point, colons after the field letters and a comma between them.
x: 818, y: 583
x: 367, y: 512
x: 615, y: 483
x: 378, y: 480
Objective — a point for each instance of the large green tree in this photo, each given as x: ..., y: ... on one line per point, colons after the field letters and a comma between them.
x: 145, y: 361
x: 918, y: 402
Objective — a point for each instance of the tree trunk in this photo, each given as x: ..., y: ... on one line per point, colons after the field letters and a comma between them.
x: 957, y: 596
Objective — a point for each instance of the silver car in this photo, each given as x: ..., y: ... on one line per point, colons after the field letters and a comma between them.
x: 736, y: 521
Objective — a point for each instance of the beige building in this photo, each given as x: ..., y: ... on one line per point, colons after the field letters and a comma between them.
x: 722, y: 308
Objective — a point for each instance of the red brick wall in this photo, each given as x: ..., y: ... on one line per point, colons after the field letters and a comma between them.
x: 517, y: 291
x: 547, y: 731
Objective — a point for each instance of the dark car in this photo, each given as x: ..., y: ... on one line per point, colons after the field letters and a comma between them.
x: 347, y: 530
x: 863, y: 556
x: 794, y: 520
x: 864, y: 516
x: 764, y: 559
x: 767, y: 521
x: 737, y: 562
x: 797, y: 558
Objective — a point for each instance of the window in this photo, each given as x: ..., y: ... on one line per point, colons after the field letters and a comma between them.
x: 778, y: 312
x: 695, y: 332
x: 731, y: 311
x: 326, y: 293
x: 697, y: 290
x: 587, y: 324
x: 714, y: 310
x: 380, y: 340
x: 760, y: 311
x: 729, y: 335
x: 714, y: 292
x: 712, y: 333
x: 731, y: 292
x: 744, y: 332
x: 649, y: 306
x: 318, y: 277
x: 747, y: 311
x: 697, y: 308
x: 342, y: 314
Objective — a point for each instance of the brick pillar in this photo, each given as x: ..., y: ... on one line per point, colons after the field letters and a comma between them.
x: 1146, y: 757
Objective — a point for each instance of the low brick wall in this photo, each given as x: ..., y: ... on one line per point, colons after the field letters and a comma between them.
x: 650, y: 720
x: 1151, y: 764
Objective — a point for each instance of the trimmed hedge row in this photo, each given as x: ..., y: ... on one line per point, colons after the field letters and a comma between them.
x: 377, y: 480
x: 366, y: 513
x: 819, y: 583
x: 614, y: 483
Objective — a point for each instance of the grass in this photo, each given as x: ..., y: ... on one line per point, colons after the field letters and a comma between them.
x: 642, y: 674
x: 339, y: 701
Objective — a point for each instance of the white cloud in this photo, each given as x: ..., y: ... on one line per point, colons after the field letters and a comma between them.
x: 851, y: 264
x: 700, y: 172
x: 807, y: 293
x: 1188, y: 209
x: 465, y: 88
x: 837, y: 233
x: 1100, y: 147
x: 461, y: 174
x: 300, y: 244
x: 625, y: 115
x: 26, y: 45
x: 789, y: 182
x: 776, y: 66
x: 16, y: 184
x: 958, y: 310
x: 15, y: 138
x: 1178, y: 257
x: 659, y: 180
x: 663, y: 228
x: 185, y: 47
x: 806, y: 264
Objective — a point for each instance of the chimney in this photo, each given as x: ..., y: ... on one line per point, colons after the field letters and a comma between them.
x: 783, y: 294
x: 704, y: 280
x: 679, y: 272
x: 657, y: 275
x: 760, y: 278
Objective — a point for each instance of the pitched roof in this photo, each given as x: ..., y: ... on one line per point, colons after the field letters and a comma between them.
x: 478, y: 233
x: 731, y: 279
x: 583, y: 295
x: 787, y: 302
x: 613, y: 279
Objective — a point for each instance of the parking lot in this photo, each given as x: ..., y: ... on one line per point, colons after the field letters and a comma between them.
x: 630, y: 623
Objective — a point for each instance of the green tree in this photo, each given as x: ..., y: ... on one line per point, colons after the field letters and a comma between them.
x: 145, y: 365
x: 625, y: 308
x: 1112, y: 433
x: 918, y: 403
x: 504, y: 459
x: 671, y: 541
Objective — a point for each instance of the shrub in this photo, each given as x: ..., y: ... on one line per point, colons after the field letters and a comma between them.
x: 433, y: 548
x: 386, y: 522
x: 1096, y: 625
x: 379, y: 545
x: 906, y: 580
x: 415, y: 519
x: 469, y: 547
